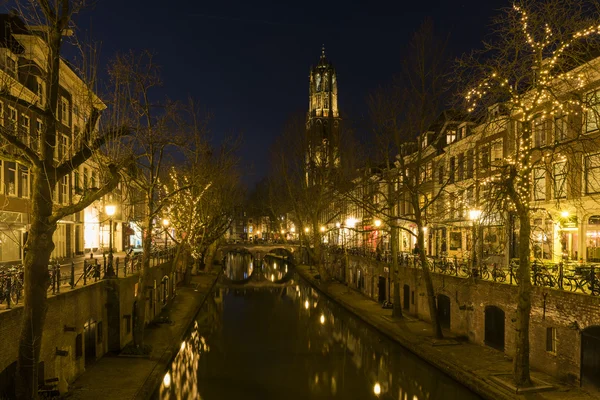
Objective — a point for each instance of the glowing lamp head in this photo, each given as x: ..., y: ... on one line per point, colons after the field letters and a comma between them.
x: 110, y: 209
x: 322, y: 229
x: 378, y: 223
x: 165, y: 222
x: 351, y: 222
x: 474, y: 215
x: 564, y: 214
x: 306, y: 230
x: 377, y: 389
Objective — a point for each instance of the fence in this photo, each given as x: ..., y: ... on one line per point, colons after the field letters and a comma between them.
x: 76, y: 274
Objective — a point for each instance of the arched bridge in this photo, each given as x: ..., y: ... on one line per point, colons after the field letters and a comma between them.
x: 258, y: 251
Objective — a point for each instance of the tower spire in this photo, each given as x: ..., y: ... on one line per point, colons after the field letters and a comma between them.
x: 323, y: 51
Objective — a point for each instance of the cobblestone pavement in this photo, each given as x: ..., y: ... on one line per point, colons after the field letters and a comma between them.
x: 473, y: 365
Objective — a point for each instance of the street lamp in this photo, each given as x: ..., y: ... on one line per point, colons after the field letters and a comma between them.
x: 166, y: 225
x: 110, y: 210
x: 474, y: 216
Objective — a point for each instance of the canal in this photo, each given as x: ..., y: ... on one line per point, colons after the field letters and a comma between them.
x: 267, y: 338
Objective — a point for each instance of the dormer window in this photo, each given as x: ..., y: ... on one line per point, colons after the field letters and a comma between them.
x: 450, y: 136
x: 462, y: 132
x: 424, y: 141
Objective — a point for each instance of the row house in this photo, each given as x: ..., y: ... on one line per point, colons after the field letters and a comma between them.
x: 22, y: 66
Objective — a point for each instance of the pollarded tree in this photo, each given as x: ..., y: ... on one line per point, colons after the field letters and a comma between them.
x: 539, y: 67
x: 39, y: 82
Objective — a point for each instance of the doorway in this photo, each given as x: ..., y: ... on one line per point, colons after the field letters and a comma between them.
x: 494, y: 327
x: 443, y: 310
x: 89, y: 333
x: 382, y: 285
x: 590, y: 357
x: 406, y: 297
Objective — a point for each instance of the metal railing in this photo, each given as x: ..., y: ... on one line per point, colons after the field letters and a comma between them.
x: 75, y: 274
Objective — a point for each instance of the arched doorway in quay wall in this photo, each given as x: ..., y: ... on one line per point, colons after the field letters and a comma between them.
x: 443, y: 304
x: 590, y: 357
x: 494, y: 327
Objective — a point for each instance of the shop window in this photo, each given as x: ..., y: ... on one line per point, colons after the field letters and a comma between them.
x: 593, y: 239
x: 455, y: 240
x: 592, y: 174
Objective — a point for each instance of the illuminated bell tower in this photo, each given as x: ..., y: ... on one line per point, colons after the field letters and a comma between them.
x: 322, y: 122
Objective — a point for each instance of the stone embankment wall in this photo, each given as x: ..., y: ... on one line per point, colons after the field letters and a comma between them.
x: 557, y: 315
x: 82, y: 325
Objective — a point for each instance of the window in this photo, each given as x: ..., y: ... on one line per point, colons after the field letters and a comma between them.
x: 496, y: 153
x: 539, y: 132
x: 451, y: 170
x: 592, y: 174
x: 24, y: 130
x: 23, y: 181
x: 551, y: 340
x: 560, y: 128
x: 592, y: 111
x: 10, y: 178
x: 426, y: 172
x: 424, y: 141
x: 539, y: 184
x: 461, y: 167
x: 462, y: 132
x: 450, y: 136
x: 64, y: 111
x: 484, y: 160
x: 470, y: 164
x: 63, y: 146
x: 12, y: 117
x: 441, y: 174
x: 94, y: 179
x: 62, y: 186
x: 560, y: 177
x: 85, y: 178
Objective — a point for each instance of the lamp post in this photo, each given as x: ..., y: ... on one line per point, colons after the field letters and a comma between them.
x: 166, y: 225
x: 110, y: 211
x: 474, y: 216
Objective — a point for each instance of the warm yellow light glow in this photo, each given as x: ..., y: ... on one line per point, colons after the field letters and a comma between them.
x: 377, y: 389
x: 322, y: 229
x: 167, y: 380
x: 110, y: 209
x: 306, y: 304
x: 282, y: 231
x: 351, y: 222
x: 165, y: 222
x: 182, y: 345
x: 474, y: 214
x: 337, y: 224
x: 293, y: 229
x: 564, y: 214
x: 322, y: 319
x: 378, y: 223
x: 306, y: 229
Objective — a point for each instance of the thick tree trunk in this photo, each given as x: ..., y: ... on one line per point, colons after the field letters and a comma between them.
x: 521, y: 360
x: 39, y: 247
x: 431, y: 299
x: 144, y: 284
x: 397, y: 310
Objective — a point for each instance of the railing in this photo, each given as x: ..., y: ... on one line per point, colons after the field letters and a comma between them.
x: 75, y: 274
x: 579, y: 278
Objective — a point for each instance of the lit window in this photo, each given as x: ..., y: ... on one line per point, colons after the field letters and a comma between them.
x: 560, y: 177
x: 539, y: 132
x: 539, y: 184
x: 450, y: 136
x: 560, y: 128
x: 592, y: 174
x: 592, y: 112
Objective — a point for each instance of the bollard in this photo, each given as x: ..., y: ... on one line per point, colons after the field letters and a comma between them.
x: 85, y: 268
x: 97, y: 271
x: 73, y: 273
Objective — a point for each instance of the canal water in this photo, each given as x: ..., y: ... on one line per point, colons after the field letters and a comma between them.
x: 287, y: 341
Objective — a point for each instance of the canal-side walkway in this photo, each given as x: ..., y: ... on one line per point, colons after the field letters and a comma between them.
x: 117, y: 377
x: 476, y: 367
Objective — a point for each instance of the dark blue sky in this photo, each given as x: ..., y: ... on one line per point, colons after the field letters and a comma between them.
x: 248, y: 61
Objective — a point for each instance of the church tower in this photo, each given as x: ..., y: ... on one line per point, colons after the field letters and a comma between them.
x: 322, y: 122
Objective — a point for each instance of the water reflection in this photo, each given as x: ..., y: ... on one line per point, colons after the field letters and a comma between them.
x: 238, y: 265
x: 292, y: 343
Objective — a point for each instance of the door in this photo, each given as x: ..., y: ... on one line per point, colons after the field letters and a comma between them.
x: 494, y: 327
x: 444, y: 310
x: 590, y: 357
x: 381, y: 285
x: 406, y: 297
x: 89, y: 333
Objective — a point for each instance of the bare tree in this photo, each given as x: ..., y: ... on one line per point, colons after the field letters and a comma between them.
x: 537, y: 69
x: 50, y: 152
x: 407, y: 128
x: 156, y: 142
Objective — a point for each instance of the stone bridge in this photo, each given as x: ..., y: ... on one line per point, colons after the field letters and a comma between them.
x: 259, y: 250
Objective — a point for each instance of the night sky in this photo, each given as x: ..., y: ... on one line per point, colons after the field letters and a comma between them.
x: 248, y: 62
